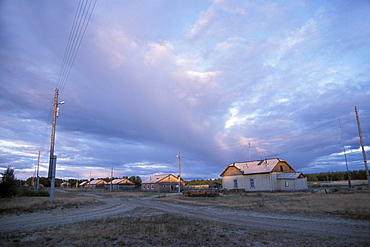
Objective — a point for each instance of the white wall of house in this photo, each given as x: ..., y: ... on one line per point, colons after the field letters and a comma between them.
x: 256, y: 182
x: 302, y: 184
x: 292, y: 184
x: 286, y: 184
x: 263, y: 182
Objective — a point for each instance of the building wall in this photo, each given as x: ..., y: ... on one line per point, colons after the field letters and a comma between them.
x: 287, y: 184
x: 292, y: 184
x: 162, y: 187
x: 283, y: 167
x: 302, y: 184
x: 256, y: 182
x: 263, y: 182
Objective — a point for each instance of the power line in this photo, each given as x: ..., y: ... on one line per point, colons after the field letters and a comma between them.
x: 82, y: 18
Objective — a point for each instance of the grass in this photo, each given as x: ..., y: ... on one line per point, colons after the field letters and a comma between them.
x: 145, y: 227
x: 19, y: 205
x: 66, y: 198
x: 149, y: 227
x: 355, y: 205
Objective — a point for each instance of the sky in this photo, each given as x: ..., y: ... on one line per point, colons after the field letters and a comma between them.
x: 220, y: 81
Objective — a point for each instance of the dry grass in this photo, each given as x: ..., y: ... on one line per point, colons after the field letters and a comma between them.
x: 107, y: 193
x: 64, y: 198
x: 150, y: 227
x: 19, y: 205
x: 355, y: 205
x: 145, y: 227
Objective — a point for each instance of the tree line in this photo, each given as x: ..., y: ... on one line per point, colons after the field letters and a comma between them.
x: 203, y: 181
x: 336, y: 176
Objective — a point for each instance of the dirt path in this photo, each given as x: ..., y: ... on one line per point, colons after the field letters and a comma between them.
x: 328, y: 227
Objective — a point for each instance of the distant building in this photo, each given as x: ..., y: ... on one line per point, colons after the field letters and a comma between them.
x: 121, y: 184
x: 65, y: 185
x: 162, y: 183
x: 96, y: 184
x: 84, y: 184
x: 263, y: 175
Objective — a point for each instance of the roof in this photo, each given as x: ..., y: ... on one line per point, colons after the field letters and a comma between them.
x: 94, y: 182
x: 156, y: 178
x: 121, y: 181
x: 257, y: 166
x: 293, y: 175
x: 84, y: 182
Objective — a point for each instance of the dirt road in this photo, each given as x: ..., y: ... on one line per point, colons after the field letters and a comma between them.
x: 331, y: 228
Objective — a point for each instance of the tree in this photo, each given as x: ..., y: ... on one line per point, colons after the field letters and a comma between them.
x: 136, y: 180
x: 8, y: 185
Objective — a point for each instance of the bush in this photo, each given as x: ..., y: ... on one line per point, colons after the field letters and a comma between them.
x: 8, y: 184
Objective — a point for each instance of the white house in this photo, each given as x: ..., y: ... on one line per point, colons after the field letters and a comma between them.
x: 263, y: 175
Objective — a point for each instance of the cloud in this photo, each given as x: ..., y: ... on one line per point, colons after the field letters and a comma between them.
x: 207, y: 80
x: 205, y: 19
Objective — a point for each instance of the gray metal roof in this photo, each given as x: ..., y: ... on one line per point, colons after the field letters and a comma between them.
x: 292, y: 175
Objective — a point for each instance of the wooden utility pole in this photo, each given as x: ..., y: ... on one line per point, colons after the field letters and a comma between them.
x: 249, y: 151
x: 111, y: 179
x: 33, y: 184
x: 52, y: 161
x: 53, y: 158
x: 179, y: 166
x: 37, y: 174
x: 362, y: 146
x: 345, y: 156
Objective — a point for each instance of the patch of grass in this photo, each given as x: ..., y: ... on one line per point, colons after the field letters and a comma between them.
x: 17, y: 205
x: 144, y: 229
x: 354, y: 205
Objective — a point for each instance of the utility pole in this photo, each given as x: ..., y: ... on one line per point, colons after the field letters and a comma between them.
x: 345, y: 156
x: 362, y: 146
x: 33, y: 184
x: 179, y: 166
x: 249, y: 151
x: 111, y: 179
x: 53, y: 158
x: 37, y: 174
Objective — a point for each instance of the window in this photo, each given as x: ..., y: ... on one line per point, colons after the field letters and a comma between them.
x: 251, y: 181
x: 235, y: 183
x: 152, y: 186
x: 164, y: 186
x: 147, y: 187
x: 281, y: 168
x: 286, y: 184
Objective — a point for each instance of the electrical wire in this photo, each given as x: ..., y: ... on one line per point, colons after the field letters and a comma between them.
x: 81, y: 21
